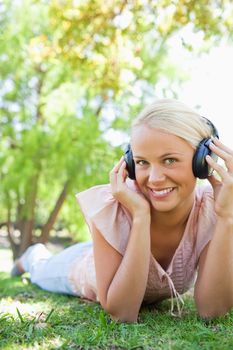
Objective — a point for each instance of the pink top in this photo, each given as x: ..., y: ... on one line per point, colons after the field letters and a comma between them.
x: 114, y: 223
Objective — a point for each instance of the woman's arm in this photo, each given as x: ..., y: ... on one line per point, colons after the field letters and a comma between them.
x: 121, y: 281
x: 213, y: 291
x: 214, y: 285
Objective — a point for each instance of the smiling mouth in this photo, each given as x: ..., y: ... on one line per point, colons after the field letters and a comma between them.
x: 161, y: 193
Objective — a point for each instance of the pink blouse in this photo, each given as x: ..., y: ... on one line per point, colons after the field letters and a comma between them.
x: 114, y: 223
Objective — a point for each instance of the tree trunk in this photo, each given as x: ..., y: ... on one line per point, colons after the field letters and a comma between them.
x: 26, y: 235
x: 10, y: 232
x: 53, y: 215
x: 25, y: 224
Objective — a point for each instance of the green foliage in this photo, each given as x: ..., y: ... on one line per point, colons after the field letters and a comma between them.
x: 33, y: 319
x: 70, y: 72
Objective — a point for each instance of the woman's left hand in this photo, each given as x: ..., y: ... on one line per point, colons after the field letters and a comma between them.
x: 223, y: 187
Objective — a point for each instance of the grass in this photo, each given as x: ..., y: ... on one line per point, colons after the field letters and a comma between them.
x: 34, y: 319
x: 31, y: 318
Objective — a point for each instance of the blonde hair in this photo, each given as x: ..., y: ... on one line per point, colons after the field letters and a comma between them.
x: 174, y: 117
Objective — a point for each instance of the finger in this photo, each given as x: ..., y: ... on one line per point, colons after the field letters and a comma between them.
x: 220, y: 149
x: 118, y: 175
x: 122, y: 171
x: 218, y: 143
x: 116, y: 168
x: 225, y: 153
x: 223, y: 173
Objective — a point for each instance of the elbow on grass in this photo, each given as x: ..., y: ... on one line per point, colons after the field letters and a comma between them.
x: 121, y: 316
x: 211, y: 312
x: 212, y: 307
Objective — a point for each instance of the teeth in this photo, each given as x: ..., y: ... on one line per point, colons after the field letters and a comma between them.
x: 162, y: 192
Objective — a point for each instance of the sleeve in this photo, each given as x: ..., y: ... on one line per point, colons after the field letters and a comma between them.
x: 100, y: 208
x: 206, y: 219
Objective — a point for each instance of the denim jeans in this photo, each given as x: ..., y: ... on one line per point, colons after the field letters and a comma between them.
x: 51, y: 272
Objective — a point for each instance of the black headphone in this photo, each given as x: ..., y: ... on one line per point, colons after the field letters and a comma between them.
x: 199, y: 164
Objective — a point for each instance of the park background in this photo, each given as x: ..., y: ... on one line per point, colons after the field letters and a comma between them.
x: 73, y: 76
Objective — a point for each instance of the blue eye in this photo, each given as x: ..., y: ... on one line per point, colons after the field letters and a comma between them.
x: 169, y: 161
x: 141, y: 162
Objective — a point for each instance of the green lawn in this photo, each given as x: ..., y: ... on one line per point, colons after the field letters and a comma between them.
x: 33, y: 319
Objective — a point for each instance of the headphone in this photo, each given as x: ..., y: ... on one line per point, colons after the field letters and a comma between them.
x: 199, y: 165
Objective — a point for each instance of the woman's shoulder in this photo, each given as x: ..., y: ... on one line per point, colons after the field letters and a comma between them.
x: 103, y: 188
x: 102, y: 210
x: 101, y: 194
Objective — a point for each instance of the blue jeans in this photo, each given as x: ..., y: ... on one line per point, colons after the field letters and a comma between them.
x: 51, y: 272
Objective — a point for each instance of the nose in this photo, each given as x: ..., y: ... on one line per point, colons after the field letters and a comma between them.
x: 156, y: 174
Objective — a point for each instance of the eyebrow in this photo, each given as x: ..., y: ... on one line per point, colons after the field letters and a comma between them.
x: 162, y: 156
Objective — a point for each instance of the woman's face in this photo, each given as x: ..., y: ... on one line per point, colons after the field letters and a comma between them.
x: 163, y: 166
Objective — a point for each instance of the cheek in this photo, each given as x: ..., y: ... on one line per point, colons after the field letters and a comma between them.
x: 186, y: 178
x: 184, y: 175
x: 189, y: 171
x: 141, y: 177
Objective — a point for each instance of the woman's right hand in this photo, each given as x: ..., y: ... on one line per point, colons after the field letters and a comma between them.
x: 131, y: 200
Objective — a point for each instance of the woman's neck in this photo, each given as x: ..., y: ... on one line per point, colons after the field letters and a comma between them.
x: 173, y: 219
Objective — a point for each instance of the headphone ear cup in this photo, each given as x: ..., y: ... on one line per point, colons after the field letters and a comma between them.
x: 130, y: 165
x: 200, y: 165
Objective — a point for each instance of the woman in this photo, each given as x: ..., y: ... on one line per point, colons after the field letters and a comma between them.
x: 154, y: 231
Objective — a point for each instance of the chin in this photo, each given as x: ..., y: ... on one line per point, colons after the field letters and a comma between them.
x: 162, y: 207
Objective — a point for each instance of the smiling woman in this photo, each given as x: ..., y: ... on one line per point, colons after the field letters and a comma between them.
x: 153, y: 227
x: 163, y: 166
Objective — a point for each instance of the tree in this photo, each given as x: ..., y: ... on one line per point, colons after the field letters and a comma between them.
x: 70, y: 71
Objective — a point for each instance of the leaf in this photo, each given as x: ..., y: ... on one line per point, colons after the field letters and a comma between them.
x: 49, y: 315
x: 20, y: 316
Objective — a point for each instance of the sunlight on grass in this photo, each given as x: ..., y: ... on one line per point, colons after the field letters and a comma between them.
x: 33, y: 319
x: 9, y: 305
